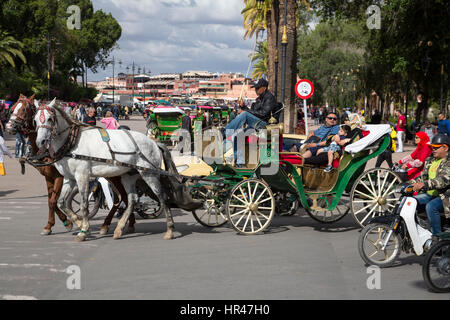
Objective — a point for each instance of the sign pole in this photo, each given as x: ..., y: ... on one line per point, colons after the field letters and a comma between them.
x: 304, y: 89
x: 305, y: 111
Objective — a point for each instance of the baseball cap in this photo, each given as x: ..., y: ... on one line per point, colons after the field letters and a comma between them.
x: 261, y: 83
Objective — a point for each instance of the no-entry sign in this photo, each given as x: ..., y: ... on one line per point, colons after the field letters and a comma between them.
x: 304, y: 89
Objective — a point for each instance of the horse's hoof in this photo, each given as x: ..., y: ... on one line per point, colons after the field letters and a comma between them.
x: 81, y: 237
x: 168, y: 236
x: 46, y: 232
x: 130, y: 230
x: 117, y: 234
x: 104, y: 231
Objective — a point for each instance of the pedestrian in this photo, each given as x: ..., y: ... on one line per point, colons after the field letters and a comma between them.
x: 116, y: 112
x: 20, y: 145
x: 90, y: 118
x: 110, y: 121
x: 3, y: 118
x: 99, y: 112
x: 443, y: 124
x: 429, y: 129
x: 83, y: 114
x: 3, y: 149
x: 401, y: 129
x: 386, y: 155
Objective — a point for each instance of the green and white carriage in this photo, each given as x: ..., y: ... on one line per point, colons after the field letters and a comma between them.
x: 279, y: 183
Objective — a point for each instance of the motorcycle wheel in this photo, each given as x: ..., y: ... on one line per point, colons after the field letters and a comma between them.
x: 93, y: 203
x: 436, y: 268
x: 370, y: 245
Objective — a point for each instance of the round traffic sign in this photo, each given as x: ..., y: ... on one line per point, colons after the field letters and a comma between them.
x: 304, y: 89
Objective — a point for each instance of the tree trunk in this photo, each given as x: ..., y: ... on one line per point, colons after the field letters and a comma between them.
x: 272, y: 45
x: 290, y: 77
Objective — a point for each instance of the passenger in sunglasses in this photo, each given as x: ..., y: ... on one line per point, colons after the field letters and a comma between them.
x: 330, y: 128
x: 435, y: 182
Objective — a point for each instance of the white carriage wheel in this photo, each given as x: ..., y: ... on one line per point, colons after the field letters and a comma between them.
x: 373, y: 194
x: 212, y: 214
x: 250, y: 206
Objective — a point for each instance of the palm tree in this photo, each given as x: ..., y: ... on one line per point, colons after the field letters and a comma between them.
x: 269, y: 16
x: 261, y: 57
x: 10, y: 49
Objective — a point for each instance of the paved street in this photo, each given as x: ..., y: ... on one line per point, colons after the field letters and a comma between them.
x: 297, y: 258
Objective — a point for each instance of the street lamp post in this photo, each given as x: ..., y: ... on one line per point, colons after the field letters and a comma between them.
x: 284, y: 42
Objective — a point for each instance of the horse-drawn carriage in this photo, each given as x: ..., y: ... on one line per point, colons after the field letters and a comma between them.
x: 279, y: 183
x: 163, y: 122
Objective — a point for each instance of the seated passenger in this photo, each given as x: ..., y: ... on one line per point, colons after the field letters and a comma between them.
x: 414, y: 163
x: 329, y: 129
x: 339, y: 140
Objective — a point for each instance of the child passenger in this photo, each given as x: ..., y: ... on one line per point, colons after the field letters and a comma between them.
x: 339, y: 140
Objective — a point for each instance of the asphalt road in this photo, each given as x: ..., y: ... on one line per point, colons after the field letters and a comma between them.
x: 297, y: 258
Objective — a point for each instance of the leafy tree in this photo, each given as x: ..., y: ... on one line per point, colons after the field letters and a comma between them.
x: 10, y: 48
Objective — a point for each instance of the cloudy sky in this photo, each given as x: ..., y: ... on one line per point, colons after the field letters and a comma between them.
x: 174, y: 36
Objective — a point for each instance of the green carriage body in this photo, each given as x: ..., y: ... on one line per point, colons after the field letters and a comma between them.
x: 167, y: 121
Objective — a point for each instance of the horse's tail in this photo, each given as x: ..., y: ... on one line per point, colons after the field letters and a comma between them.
x: 177, y: 189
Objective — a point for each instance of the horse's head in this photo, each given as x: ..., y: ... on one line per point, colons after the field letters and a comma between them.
x: 21, y: 119
x: 45, y: 120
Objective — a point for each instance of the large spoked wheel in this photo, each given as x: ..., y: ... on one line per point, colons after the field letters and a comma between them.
x: 250, y: 206
x: 319, y: 211
x: 212, y: 215
x: 373, y: 194
x: 75, y: 203
x: 377, y: 245
x: 436, y: 267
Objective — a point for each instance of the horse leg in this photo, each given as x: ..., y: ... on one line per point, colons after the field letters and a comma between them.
x: 57, y: 187
x: 83, y: 188
x: 118, y: 186
x: 51, y: 210
x: 63, y: 204
x: 128, y: 183
x: 154, y: 183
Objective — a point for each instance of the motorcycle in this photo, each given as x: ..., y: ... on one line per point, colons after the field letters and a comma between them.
x: 436, y: 266
x: 404, y: 229
x: 101, y: 196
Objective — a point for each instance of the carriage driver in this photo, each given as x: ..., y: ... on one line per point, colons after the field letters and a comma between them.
x: 435, y: 182
x: 255, y: 118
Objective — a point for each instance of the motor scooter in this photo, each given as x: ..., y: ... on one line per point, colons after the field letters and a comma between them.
x: 385, y: 237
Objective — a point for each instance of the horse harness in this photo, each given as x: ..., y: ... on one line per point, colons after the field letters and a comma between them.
x: 72, y: 139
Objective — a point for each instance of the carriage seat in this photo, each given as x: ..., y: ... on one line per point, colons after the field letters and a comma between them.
x: 321, y: 160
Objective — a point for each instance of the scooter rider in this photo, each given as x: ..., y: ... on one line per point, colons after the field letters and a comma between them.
x: 435, y: 181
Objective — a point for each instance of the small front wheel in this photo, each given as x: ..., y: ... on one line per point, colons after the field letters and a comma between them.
x: 94, y: 202
x: 250, y: 206
x: 379, y: 245
x: 436, y: 268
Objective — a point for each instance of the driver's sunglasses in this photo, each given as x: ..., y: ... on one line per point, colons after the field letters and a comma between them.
x: 329, y: 118
x: 436, y: 147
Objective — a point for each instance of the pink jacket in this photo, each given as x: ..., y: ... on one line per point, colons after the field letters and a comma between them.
x: 110, y: 123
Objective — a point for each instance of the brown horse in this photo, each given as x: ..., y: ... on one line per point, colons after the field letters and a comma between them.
x: 21, y: 120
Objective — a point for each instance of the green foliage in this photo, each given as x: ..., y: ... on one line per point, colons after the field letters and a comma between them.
x: 325, y: 53
x: 72, y: 52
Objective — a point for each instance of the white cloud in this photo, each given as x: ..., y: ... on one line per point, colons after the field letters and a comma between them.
x: 179, y: 35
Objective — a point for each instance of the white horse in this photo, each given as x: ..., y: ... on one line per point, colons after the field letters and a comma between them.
x: 55, y: 129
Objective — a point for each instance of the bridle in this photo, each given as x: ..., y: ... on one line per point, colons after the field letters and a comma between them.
x: 71, y: 139
x: 24, y: 123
